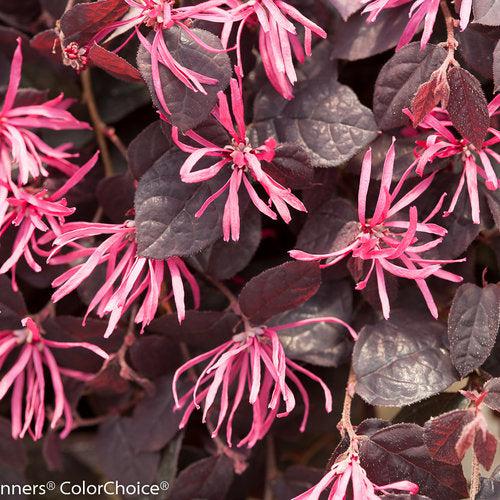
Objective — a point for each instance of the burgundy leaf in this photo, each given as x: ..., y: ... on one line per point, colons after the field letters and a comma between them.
x: 147, y: 147
x: 279, y: 289
x: 399, y: 453
x: 187, y: 108
x: 399, y: 80
x: 492, y: 399
x: 325, y: 118
x: 113, y: 64
x: 485, y: 447
x: 346, y: 8
x: 442, y: 433
x: 291, y: 167
x: 487, y: 12
x: 84, y: 20
x: 401, y: 360
x: 473, y: 325
x: 424, y: 101
x: 467, y: 106
x: 165, y: 210
x: 12, y: 306
x: 209, y: 478
x: 116, y: 196
x: 496, y: 67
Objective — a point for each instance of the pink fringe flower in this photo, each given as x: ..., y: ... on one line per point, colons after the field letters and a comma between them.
x: 278, y: 39
x: 383, y: 238
x: 161, y: 15
x: 255, y: 359
x: 421, y: 11
x: 442, y: 143
x: 348, y: 470
x: 27, y: 378
x: 23, y: 155
x: 128, y: 276
x: 245, y: 162
x: 34, y: 210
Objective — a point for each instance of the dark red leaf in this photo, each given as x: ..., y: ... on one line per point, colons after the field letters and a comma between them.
x: 467, y: 106
x: 492, y: 399
x: 279, y: 289
x: 113, y: 64
x: 442, y: 433
x: 485, y: 447
x: 84, y: 20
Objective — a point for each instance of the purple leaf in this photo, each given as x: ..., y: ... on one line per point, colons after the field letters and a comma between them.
x: 398, y: 453
x: 12, y: 306
x: 490, y: 487
x: 116, y: 196
x: 223, y: 260
x: 118, y: 458
x: 330, y: 227
x: 187, y: 108
x: 357, y: 39
x: 291, y: 167
x: 113, y: 64
x: 321, y: 344
x: 442, y: 433
x: 492, y: 400
x: 486, y: 12
x: 473, y: 325
x: 279, y: 289
x: 165, y: 210
x: 402, y: 360
x: 346, y: 8
x: 12, y: 452
x: 83, y: 21
x: 485, y: 447
x: 209, y: 478
x: 147, y: 147
x: 467, y: 106
x: 325, y: 118
x: 477, y: 48
x: 399, y: 80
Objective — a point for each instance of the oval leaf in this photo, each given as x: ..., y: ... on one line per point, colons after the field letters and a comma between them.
x: 402, y: 360
x: 473, y: 325
x: 279, y: 289
x: 188, y: 108
x: 165, y: 210
x: 467, y: 106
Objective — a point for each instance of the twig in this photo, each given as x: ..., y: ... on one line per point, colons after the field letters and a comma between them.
x: 451, y: 41
x: 271, y: 468
x: 99, y: 125
x: 345, y: 425
x: 475, y: 477
x: 69, y: 5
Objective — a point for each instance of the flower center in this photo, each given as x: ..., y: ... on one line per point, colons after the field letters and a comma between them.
x: 158, y: 13
x: 243, y: 336
x: 238, y: 150
x: 75, y: 56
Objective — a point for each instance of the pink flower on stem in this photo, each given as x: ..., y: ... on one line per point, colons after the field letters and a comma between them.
x: 34, y: 210
x: 26, y: 377
x: 161, y: 15
x: 128, y: 275
x: 421, y: 11
x: 389, y: 236
x: 23, y: 155
x: 253, y: 359
x: 278, y: 39
x: 442, y: 143
x: 345, y: 470
x: 245, y: 162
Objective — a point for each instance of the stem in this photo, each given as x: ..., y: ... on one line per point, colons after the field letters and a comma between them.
x: 451, y: 41
x: 271, y: 468
x: 99, y: 125
x: 345, y: 422
x: 475, y: 477
x: 69, y: 5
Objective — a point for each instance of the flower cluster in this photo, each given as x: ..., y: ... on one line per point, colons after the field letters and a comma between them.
x: 347, y: 469
x: 27, y: 379
x: 127, y: 276
x: 389, y: 236
x: 475, y: 161
x: 245, y: 161
x: 421, y: 11
x: 253, y: 359
x: 24, y: 156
